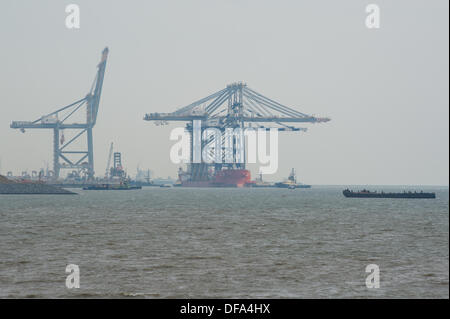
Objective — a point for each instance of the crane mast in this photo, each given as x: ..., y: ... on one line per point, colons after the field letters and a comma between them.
x: 108, y: 164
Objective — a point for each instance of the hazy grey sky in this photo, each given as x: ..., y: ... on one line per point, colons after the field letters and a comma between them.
x: 386, y: 90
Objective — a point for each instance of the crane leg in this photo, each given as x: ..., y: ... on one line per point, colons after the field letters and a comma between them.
x: 90, y: 154
x: 56, y: 152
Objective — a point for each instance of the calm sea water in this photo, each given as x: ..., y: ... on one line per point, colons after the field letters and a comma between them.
x: 192, y: 243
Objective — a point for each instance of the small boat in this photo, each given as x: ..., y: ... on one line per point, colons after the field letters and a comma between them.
x: 370, y: 194
x: 259, y: 183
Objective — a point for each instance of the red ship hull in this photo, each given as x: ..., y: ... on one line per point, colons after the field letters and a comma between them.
x: 224, y: 178
x: 232, y: 178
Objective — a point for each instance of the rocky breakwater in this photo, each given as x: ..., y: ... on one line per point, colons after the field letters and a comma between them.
x: 10, y: 187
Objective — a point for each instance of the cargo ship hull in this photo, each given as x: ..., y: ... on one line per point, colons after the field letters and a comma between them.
x: 366, y: 194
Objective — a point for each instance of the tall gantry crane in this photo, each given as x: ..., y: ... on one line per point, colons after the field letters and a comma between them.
x: 236, y: 106
x: 58, y: 121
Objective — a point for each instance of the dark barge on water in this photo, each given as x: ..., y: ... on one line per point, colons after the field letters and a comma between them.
x: 368, y: 194
x: 110, y: 187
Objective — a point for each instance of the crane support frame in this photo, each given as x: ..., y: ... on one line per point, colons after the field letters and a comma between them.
x: 63, y: 159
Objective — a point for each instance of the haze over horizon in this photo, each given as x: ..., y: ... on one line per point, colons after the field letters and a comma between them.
x: 385, y: 90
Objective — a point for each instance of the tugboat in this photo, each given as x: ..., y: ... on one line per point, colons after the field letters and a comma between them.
x: 368, y: 194
x: 291, y: 183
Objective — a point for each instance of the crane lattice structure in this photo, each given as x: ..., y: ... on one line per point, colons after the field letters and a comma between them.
x: 108, y: 164
x: 236, y: 106
x: 58, y: 121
